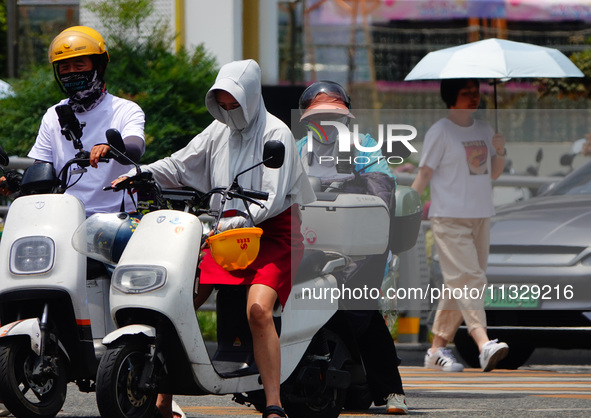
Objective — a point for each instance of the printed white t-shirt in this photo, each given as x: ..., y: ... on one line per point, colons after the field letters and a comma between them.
x: 51, y: 146
x: 461, y: 185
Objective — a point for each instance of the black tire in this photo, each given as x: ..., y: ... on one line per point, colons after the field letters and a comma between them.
x: 324, y: 403
x: 25, y: 395
x: 117, y: 394
x: 519, y: 351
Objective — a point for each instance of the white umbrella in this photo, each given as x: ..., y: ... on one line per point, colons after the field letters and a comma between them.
x: 496, y: 59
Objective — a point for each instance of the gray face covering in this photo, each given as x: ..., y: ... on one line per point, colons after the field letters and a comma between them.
x: 331, y: 135
x: 234, y: 118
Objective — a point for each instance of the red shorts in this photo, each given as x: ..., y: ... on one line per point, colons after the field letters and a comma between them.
x: 282, y: 249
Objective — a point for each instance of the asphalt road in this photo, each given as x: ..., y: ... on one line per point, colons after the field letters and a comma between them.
x: 533, y: 391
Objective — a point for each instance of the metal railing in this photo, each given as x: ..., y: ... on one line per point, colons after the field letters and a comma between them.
x: 19, y: 163
x: 405, y: 179
x: 505, y: 180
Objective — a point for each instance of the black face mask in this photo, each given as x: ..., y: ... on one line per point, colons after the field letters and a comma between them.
x: 85, y: 89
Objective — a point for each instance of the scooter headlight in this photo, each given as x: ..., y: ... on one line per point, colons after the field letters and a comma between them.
x: 138, y: 279
x: 32, y: 255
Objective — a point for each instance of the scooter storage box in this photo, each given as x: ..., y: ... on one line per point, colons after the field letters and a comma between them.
x: 406, y: 222
x: 353, y: 224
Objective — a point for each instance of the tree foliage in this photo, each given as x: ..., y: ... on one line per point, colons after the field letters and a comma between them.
x: 570, y: 88
x: 169, y: 87
x: 22, y: 113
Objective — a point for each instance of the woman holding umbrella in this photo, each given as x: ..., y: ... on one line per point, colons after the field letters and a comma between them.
x: 460, y: 158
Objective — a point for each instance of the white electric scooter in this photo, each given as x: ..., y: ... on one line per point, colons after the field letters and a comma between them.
x: 159, y: 347
x: 52, y: 302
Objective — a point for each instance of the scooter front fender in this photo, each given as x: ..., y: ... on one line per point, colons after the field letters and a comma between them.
x: 29, y: 327
x: 135, y: 329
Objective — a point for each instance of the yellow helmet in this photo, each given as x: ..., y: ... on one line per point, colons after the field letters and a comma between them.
x: 76, y: 42
x: 235, y: 249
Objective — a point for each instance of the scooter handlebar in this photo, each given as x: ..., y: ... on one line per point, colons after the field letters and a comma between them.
x: 255, y: 194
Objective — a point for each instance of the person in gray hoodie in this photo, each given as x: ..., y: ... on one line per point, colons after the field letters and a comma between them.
x: 229, y: 145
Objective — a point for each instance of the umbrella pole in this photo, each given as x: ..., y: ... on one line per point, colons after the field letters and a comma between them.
x: 495, y: 99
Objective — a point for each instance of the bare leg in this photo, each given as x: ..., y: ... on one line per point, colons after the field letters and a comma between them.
x: 164, y: 401
x: 164, y: 404
x: 480, y: 337
x: 438, y: 342
x: 203, y: 292
x: 267, y: 354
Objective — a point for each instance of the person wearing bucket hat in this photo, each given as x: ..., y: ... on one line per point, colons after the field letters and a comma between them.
x: 328, y: 100
x: 461, y: 156
x: 322, y: 96
x: 79, y: 57
x: 232, y: 143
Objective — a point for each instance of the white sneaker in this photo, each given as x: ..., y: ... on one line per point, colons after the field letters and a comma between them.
x: 396, y: 404
x: 444, y: 360
x: 492, y: 352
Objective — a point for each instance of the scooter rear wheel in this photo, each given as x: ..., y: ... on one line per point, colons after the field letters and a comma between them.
x: 118, y: 393
x: 316, y: 399
x: 27, y: 394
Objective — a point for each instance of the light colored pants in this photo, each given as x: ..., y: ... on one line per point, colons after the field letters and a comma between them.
x: 462, y: 246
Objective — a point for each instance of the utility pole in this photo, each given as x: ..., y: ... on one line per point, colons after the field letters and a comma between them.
x: 12, y: 42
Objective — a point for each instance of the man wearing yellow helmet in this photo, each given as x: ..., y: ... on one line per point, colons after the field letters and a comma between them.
x: 79, y: 57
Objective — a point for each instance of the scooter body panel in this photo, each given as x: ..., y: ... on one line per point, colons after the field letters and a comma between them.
x: 301, y: 319
x: 172, y: 240
x: 54, y: 218
x: 48, y: 221
x: 29, y: 327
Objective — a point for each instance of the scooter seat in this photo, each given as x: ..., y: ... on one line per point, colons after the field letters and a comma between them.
x: 311, y: 265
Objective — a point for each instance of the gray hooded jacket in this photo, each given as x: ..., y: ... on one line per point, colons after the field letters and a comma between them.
x: 217, y: 154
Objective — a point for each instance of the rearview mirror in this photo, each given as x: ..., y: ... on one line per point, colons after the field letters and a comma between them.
x: 539, y: 155
x: 3, y: 157
x: 273, y: 154
x: 117, y: 145
x: 114, y: 140
x: 566, y: 160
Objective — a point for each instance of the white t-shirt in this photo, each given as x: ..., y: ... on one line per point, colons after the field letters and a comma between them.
x: 51, y: 146
x: 461, y: 185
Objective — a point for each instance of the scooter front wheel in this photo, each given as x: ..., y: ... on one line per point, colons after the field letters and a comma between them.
x: 120, y: 390
x: 31, y: 389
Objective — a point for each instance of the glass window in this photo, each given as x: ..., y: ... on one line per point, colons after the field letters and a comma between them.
x: 39, y: 21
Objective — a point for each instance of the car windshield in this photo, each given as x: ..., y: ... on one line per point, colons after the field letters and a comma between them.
x: 576, y: 183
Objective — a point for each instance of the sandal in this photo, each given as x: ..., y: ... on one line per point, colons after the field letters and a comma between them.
x: 177, y: 411
x: 274, y: 409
